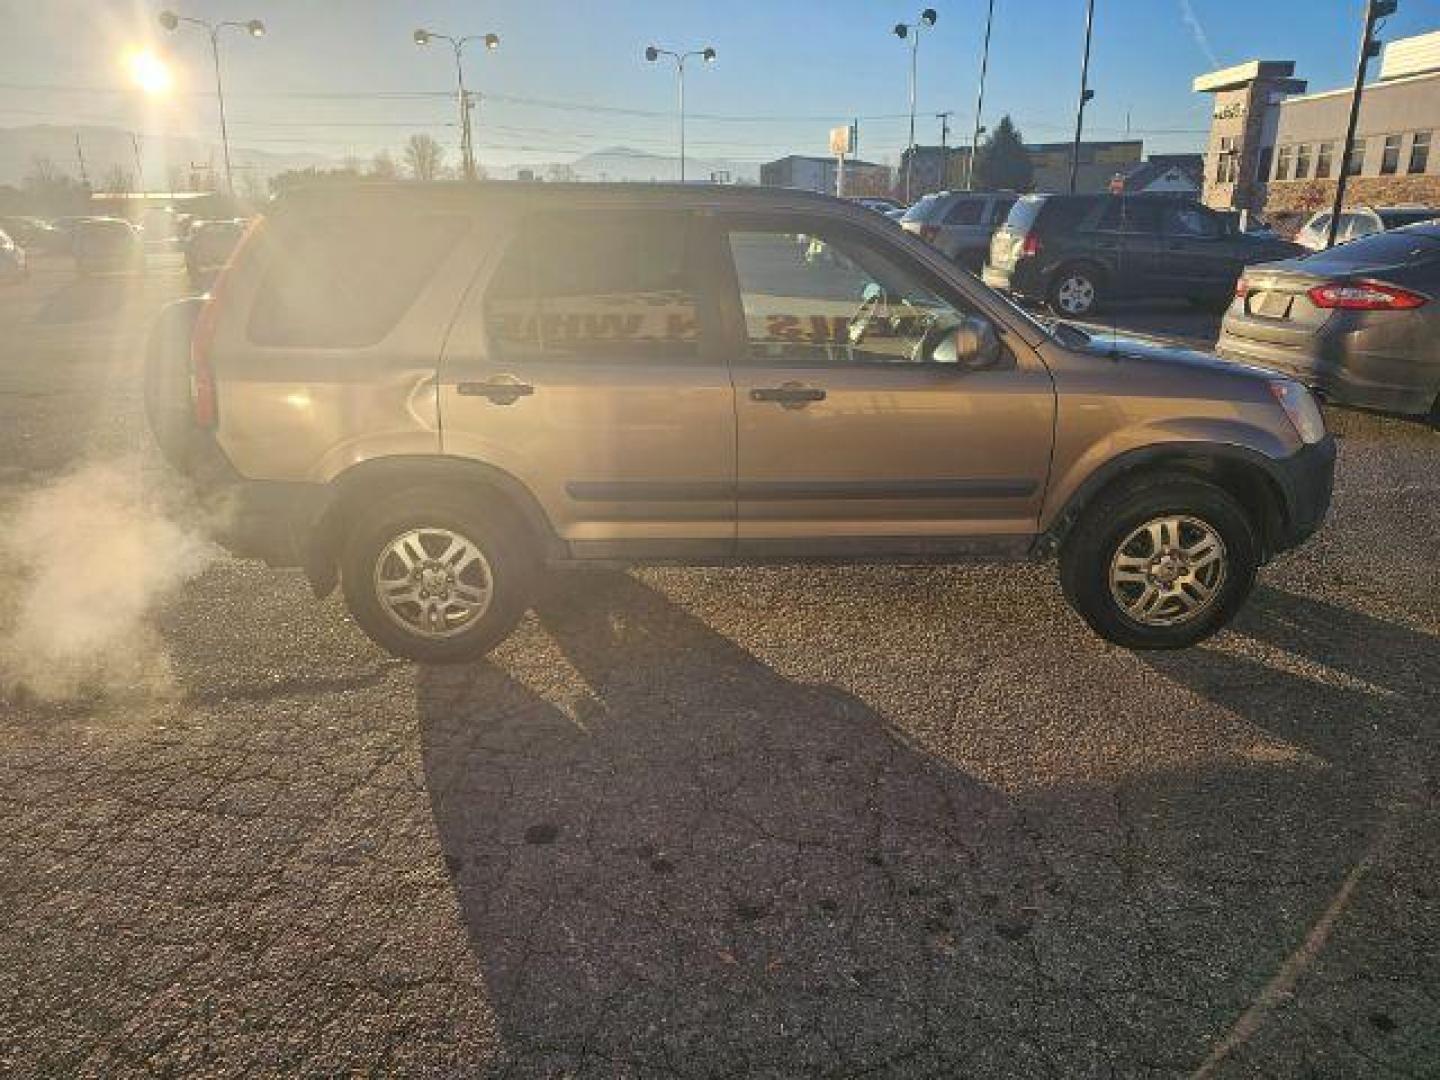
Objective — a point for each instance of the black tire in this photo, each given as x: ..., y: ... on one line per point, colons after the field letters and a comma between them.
x: 488, y: 524
x: 166, y: 386
x: 1091, y: 278
x: 1087, y: 553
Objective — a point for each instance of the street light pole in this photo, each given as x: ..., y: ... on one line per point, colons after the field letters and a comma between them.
x: 467, y: 134
x: 912, y: 31
x: 1085, y: 95
x: 255, y: 28
x: 980, y: 100
x: 652, y: 53
x: 1375, y: 10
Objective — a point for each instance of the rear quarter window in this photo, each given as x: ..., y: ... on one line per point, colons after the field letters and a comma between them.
x: 925, y: 210
x: 1024, y: 213
x: 338, y: 282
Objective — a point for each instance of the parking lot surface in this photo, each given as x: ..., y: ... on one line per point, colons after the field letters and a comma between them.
x: 776, y: 822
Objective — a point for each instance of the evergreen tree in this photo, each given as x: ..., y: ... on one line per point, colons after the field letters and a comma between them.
x: 1003, y: 161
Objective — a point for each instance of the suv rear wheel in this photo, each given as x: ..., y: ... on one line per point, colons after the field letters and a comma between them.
x: 1161, y: 562
x: 434, y: 578
x: 1075, y: 291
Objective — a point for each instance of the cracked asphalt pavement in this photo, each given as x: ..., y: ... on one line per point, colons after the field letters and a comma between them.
x: 892, y: 822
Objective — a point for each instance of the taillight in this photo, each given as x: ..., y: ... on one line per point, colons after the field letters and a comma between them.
x: 928, y: 233
x: 203, y: 404
x: 1030, y: 245
x: 1241, y: 288
x: 1364, y: 296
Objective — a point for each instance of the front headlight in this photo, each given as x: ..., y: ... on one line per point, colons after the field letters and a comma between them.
x: 1299, y: 405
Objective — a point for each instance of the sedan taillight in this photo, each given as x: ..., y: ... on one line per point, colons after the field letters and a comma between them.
x: 928, y: 233
x: 1030, y: 245
x: 1364, y: 296
x: 1241, y: 288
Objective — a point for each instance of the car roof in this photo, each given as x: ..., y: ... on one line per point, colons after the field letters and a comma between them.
x: 458, y: 194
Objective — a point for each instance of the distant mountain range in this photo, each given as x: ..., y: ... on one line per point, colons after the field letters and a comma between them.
x: 623, y: 164
x: 106, y: 148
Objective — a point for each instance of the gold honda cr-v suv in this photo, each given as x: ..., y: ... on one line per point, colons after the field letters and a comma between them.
x: 430, y: 393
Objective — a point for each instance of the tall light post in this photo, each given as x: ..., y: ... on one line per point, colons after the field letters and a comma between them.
x: 708, y: 55
x: 980, y: 100
x: 467, y: 140
x: 1375, y: 10
x: 255, y: 28
x: 912, y: 31
x: 1085, y: 95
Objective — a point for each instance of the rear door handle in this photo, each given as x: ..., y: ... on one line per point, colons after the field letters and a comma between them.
x: 789, y: 395
x: 501, y: 389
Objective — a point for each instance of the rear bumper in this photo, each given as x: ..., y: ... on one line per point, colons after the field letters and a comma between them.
x: 1021, y: 279
x: 270, y: 520
x: 1336, y: 363
x: 1307, y: 479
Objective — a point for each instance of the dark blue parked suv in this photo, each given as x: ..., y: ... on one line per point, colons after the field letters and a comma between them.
x: 1076, y: 251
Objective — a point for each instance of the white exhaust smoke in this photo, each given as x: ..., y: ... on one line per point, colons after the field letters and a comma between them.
x: 86, y: 560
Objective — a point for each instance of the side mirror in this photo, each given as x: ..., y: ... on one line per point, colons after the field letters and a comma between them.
x: 973, y: 345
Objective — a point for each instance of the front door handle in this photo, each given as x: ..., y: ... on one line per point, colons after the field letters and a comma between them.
x: 501, y: 389
x: 790, y: 395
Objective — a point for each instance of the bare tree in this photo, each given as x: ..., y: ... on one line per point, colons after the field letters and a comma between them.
x: 117, y: 180
x: 383, y: 167
x: 424, y: 156
x: 561, y: 174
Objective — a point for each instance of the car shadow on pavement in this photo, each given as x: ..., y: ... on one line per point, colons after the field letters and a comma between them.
x: 697, y: 866
x: 703, y: 862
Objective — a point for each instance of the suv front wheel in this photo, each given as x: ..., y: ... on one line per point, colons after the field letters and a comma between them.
x: 433, y: 577
x: 1161, y: 562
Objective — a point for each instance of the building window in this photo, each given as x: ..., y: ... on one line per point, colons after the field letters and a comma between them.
x: 1282, y: 162
x: 1302, y: 161
x: 1420, y: 152
x: 1355, y: 160
x: 1323, y: 153
x: 1390, y: 156
x: 1226, y: 169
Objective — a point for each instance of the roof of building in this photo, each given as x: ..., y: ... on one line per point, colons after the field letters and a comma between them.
x: 822, y: 160
x: 1232, y: 78
x: 1192, y: 166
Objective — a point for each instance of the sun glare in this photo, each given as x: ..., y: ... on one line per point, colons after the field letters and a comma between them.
x: 148, y: 71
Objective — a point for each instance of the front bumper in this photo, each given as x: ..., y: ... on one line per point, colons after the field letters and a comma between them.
x: 1307, y: 479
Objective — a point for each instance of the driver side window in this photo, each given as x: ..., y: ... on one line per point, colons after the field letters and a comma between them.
x: 825, y: 299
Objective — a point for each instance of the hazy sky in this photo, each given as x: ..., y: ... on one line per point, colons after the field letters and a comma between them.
x: 787, y: 70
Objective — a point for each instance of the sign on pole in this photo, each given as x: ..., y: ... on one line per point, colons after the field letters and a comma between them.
x: 840, y: 146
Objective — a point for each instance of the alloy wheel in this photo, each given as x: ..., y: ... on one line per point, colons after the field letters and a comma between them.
x: 1168, y: 570
x: 433, y: 582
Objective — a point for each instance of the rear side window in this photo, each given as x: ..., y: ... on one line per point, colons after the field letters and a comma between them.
x: 338, y: 282
x: 1000, y: 210
x: 965, y: 212
x: 1063, y: 214
x: 1129, y: 216
x: 597, y: 287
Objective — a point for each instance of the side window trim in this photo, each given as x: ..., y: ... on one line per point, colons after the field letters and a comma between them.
x: 734, y: 315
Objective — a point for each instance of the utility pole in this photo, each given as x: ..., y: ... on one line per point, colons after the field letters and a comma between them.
x: 1085, y: 94
x: 979, y: 100
x: 139, y: 169
x: 80, y: 155
x: 1375, y: 10
x: 944, y: 118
